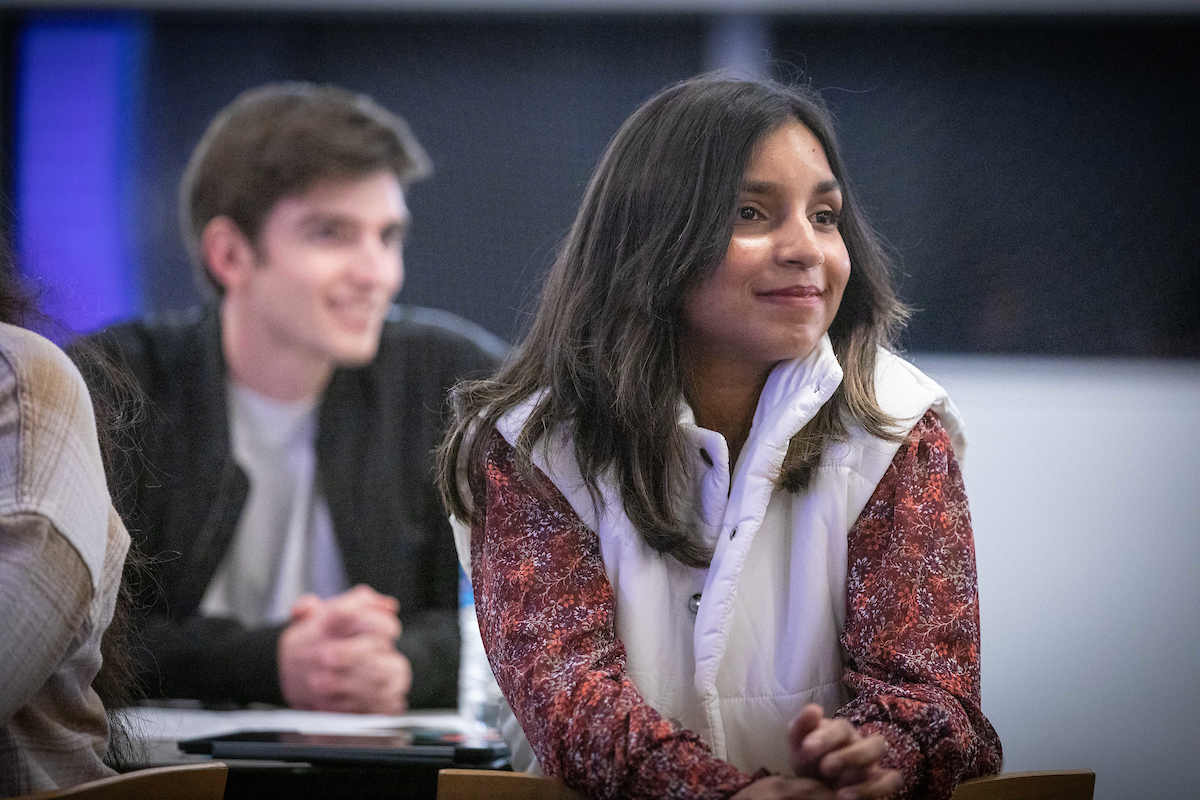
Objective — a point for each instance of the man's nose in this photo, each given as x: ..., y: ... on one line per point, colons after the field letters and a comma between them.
x: 378, y: 264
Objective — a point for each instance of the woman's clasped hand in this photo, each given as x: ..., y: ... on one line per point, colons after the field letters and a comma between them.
x: 832, y: 761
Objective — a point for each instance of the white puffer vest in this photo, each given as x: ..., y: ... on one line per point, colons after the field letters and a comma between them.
x: 733, y: 652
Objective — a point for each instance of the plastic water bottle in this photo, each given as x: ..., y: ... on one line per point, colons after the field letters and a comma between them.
x: 478, y: 694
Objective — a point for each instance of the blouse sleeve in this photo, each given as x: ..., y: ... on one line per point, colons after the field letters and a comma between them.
x: 547, y: 617
x: 45, y: 590
x: 912, y: 621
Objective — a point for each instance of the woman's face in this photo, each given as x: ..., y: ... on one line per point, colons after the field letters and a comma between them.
x: 776, y: 292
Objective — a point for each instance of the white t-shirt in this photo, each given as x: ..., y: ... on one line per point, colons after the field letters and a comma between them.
x: 284, y: 544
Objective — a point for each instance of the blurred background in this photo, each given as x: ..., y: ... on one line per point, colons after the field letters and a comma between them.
x: 1035, y: 168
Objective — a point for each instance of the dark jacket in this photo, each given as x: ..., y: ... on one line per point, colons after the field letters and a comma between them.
x: 183, y: 494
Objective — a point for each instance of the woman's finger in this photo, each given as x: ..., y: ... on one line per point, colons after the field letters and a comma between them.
x: 862, y: 752
x: 805, y: 723
x: 888, y: 782
x: 831, y: 735
x: 777, y: 787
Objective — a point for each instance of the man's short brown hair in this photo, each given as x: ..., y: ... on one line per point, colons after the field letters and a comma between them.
x: 280, y: 140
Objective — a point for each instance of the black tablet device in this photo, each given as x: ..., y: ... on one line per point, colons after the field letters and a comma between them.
x: 401, y: 746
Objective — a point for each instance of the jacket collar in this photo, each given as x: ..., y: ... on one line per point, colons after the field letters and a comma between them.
x: 205, y: 398
x: 341, y: 442
x: 201, y: 433
x: 792, y: 395
x: 794, y: 392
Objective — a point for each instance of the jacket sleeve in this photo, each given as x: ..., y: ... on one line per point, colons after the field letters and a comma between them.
x: 912, y: 621
x: 430, y: 642
x: 450, y: 350
x: 212, y: 659
x: 547, y: 616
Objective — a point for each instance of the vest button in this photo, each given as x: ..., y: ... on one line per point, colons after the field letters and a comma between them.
x: 694, y: 603
x: 707, y: 458
x: 732, y: 534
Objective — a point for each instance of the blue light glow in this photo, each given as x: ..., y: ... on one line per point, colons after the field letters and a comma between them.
x: 78, y: 91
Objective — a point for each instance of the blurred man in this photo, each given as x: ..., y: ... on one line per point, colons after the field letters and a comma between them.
x: 284, y: 485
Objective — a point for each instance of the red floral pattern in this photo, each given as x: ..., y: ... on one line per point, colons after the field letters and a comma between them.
x: 548, y: 620
x: 547, y: 615
x: 912, y: 621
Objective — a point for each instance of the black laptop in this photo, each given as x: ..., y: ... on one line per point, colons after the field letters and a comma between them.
x: 431, y: 747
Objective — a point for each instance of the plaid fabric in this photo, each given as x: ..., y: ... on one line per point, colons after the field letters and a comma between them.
x: 62, y: 548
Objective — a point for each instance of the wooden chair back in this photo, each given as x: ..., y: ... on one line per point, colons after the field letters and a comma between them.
x: 187, y: 782
x: 1067, y: 784
x: 473, y: 784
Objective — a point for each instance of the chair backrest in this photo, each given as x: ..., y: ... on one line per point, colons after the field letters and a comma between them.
x: 472, y: 784
x: 187, y: 782
x: 1067, y: 784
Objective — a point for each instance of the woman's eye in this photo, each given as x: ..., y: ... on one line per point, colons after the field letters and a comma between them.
x: 827, y: 217
x: 749, y: 214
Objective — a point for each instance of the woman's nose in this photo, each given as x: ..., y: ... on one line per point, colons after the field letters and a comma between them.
x: 797, y: 245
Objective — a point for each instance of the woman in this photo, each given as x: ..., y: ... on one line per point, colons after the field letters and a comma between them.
x: 62, y: 550
x: 717, y: 530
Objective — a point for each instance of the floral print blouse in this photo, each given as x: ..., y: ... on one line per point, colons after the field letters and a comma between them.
x: 547, y: 616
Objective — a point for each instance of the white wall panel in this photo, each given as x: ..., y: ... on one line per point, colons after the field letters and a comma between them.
x: 1084, y: 483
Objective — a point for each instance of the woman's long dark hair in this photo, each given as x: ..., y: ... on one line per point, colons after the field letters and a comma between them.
x: 116, y: 410
x: 605, y: 344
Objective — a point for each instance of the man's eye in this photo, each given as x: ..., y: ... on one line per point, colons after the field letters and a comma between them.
x: 748, y: 214
x: 330, y: 233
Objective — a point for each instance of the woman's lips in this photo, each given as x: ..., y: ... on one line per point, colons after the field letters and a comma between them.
x: 792, y: 295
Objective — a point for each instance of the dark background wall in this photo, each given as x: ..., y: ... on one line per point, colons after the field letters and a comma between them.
x: 1038, y: 178
x: 515, y: 114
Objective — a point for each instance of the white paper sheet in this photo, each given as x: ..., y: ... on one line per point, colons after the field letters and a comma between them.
x: 171, y: 723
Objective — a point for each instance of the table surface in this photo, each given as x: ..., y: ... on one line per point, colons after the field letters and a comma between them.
x: 158, y: 728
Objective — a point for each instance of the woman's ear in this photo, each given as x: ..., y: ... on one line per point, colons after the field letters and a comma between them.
x: 227, y: 253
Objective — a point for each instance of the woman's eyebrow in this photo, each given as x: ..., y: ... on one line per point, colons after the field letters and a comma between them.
x: 758, y: 187
x: 767, y: 187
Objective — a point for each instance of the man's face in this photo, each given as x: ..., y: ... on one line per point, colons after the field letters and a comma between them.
x: 329, y: 264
